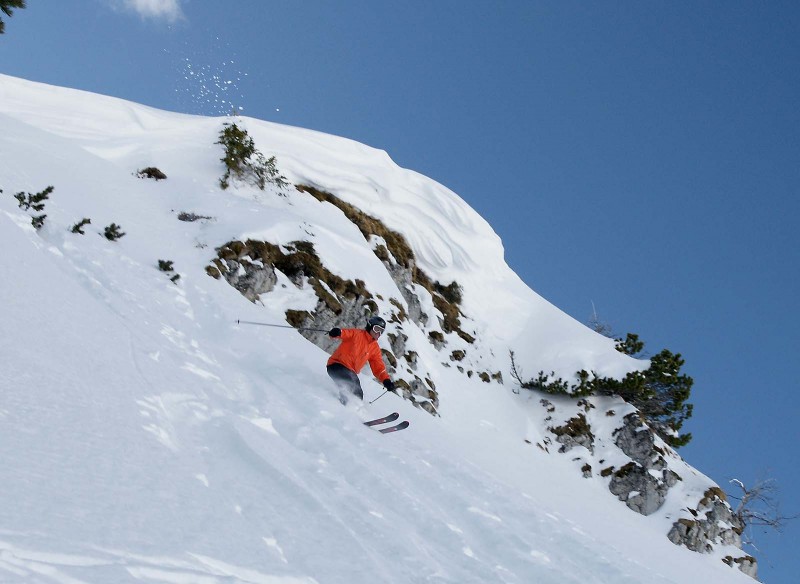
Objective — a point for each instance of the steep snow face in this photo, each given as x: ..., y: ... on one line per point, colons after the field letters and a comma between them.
x: 145, y: 436
x: 450, y: 240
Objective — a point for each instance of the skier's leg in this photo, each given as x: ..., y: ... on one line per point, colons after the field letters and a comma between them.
x: 346, y: 380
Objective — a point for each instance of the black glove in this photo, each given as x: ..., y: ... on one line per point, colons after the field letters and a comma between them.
x: 335, y: 332
x: 388, y: 385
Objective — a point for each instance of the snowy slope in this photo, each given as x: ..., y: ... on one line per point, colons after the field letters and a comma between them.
x: 146, y: 437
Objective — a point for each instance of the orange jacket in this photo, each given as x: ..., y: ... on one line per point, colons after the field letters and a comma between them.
x: 356, y: 349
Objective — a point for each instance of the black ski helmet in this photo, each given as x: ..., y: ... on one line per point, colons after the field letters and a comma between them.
x: 375, y: 321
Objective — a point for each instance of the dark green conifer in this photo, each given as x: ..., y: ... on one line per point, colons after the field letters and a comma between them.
x: 78, y: 227
x: 243, y: 161
x: 7, y: 6
x: 112, y: 232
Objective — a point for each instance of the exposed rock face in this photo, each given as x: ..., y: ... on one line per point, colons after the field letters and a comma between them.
x: 403, y: 277
x: 636, y: 440
x: 251, y: 266
x: 644, y: 491
x: 746, y: 564
x: 576, y: 432
x: 355, y: 310
x: 641, y: 491
x: 252, y: 280
x: 714, y: 522
x: 644, y: 483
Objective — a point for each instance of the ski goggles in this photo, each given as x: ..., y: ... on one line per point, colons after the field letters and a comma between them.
x: 377, y: 329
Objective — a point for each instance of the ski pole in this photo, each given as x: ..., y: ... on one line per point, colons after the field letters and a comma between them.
x: 297, y: 328
x: 379, y: 397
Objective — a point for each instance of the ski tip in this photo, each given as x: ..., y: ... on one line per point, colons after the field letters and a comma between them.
x: 397, y: 428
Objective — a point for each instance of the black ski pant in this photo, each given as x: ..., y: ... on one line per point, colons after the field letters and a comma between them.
x: 346, y: 380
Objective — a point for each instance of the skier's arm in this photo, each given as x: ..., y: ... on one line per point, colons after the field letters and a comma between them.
x: 377, y: 366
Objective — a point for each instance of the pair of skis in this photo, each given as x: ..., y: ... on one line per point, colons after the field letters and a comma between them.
x: 385, y: 420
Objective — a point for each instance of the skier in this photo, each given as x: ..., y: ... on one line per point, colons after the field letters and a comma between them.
x: 358, y: 346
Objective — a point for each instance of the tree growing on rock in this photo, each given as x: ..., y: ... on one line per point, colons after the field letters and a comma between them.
x: 660, y: 392
x: 759, y: 506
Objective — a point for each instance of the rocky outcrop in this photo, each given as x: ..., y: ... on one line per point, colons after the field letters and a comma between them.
x: 713, y: 522
x: 747, y: 564
x: 576, y: 432
x: 403, y: 277
x: 251, y: 279
x: 636, y: 440
x: 639, y: 489
x: 643, y: 483
x: 251, y: 267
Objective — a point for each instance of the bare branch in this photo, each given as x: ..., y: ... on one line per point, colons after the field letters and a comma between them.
x: 759, y: 505
x: 598, y: 325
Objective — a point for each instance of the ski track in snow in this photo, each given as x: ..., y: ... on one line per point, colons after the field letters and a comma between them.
x: 116, y: 566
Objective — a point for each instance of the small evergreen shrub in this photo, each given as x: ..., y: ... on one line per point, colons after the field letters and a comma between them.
x: 192, y: 217
x: 112, y: 232
x: 436, y: 337
x: 660, y: 392
x: 244, y: 162
x: 166, y: 266
x: 151, y: 172
x: 36, y: 202
x: 38, y: 221
x: 631, y: 345
x: 297, y: 318
x: 78, y: 227
x: 452, y: 292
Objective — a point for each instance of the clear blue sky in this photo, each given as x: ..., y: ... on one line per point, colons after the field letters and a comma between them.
x: 643, y: 156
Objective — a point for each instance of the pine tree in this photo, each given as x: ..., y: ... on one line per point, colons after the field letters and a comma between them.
x: 631, y: 345
x: 660, y: 392
x: 27, y: 201
x: 243, y: 161
x: 7, y: 6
